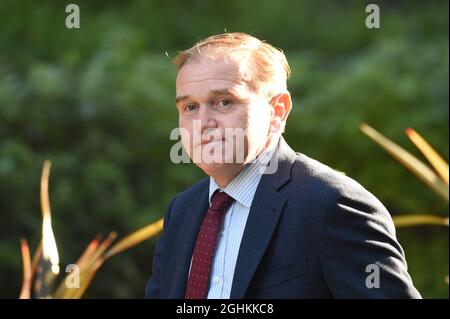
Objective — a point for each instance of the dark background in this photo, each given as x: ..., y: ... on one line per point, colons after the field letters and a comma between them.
x: 99, y: 103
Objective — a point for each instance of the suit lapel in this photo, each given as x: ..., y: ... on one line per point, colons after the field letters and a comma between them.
x: 194, y: 218
x: 261, y: 223
x: 263, y: 218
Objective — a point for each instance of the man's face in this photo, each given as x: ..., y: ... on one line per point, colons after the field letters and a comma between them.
x: 212, y: 98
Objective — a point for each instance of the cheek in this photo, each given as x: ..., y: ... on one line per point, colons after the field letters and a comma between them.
x: 184, y: 126
x: 185, y: 130
x: 188, y: 123
x: 259, y: 122
x: 183, y: 123
x: 239, y: 120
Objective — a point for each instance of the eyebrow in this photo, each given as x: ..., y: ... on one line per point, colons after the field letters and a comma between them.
x: 211, y: 93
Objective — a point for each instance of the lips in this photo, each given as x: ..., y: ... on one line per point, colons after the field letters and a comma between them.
x: 212, y: 140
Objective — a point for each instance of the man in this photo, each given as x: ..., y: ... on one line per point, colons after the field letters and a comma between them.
x: 268, y: 222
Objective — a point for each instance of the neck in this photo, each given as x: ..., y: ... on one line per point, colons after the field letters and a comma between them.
x: 272, y: 142
x: 228, y: 174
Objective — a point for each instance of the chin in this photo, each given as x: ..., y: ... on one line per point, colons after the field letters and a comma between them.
x: 212, y: 169
x: 226, y: 161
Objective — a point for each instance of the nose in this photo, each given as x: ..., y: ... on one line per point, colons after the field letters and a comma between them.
x: 207, y: 117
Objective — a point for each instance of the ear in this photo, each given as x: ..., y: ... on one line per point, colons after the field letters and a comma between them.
x: 281, y: 106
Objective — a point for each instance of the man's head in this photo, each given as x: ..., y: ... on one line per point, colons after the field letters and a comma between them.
x: 231, y: 81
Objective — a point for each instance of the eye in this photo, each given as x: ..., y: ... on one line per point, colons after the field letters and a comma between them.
x: 190, y: 107
x: 224, y: 103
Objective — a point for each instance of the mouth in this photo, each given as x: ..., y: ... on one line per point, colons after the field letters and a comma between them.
x: 212, y: 140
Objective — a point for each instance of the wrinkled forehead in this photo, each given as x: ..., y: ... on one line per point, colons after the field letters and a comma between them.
x: 204, y: 73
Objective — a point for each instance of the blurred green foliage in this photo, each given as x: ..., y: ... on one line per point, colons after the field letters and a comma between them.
x: 99, y: 103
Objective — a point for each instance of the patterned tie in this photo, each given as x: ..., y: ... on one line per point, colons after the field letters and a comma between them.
x: 197, y: 285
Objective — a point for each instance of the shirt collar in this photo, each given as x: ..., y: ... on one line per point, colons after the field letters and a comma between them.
x: 243, y: 187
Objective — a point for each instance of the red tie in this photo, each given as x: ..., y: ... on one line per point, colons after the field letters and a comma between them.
x: 197, y: 285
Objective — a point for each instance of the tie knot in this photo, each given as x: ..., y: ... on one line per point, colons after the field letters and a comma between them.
x: 221, y: 201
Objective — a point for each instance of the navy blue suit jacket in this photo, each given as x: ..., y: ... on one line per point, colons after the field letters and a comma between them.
x: 311, y: 232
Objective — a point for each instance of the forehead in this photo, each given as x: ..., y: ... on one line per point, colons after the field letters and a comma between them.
x: 205, y: 74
